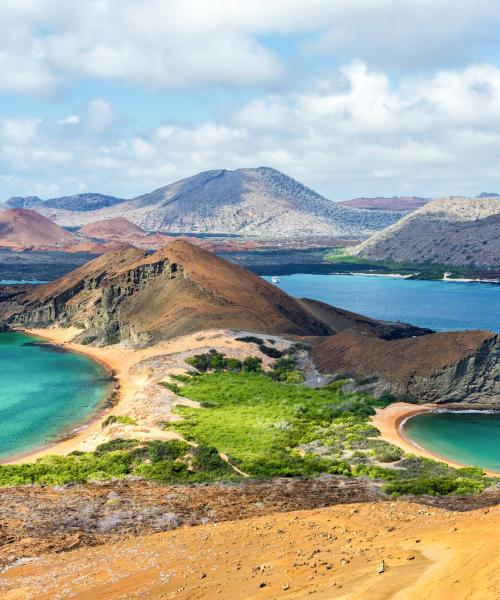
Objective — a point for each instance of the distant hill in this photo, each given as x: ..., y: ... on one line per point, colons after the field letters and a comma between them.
x: 80, y: 202
x: 395, y: 203
x: 258, y: 202
x: 118, y: 227
x: 451, y: 231
x: 23, y: 228
x: 488, y: 195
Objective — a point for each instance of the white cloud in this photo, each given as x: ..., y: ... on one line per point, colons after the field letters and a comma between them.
x: 352, y: 133
x: 70, y: 120
x: 174, y: 43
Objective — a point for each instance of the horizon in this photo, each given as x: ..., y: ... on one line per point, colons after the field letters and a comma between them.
x: 122, y: 97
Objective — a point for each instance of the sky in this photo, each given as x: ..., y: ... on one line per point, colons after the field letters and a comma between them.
x: 351, y: 97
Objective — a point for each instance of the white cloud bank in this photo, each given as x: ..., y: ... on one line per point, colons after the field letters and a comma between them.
x: 353, y: 133
x: 45, y: 44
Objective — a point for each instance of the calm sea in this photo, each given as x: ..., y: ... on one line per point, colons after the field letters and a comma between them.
x: 440, y: 305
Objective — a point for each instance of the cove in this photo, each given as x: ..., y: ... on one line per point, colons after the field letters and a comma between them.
x: 468, y: 437
x: 439, y: 305
x: 45, y: 392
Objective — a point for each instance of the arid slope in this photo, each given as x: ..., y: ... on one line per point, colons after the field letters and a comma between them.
x: 453, y: 366
x: 452, y: 231
x: 384, y: 551
x: 22, y: 228
x: 181, y: 288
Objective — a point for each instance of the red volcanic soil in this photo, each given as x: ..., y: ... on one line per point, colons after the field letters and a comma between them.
x: 118, y: 227
x: 396, y: 203
x: 21, y: 228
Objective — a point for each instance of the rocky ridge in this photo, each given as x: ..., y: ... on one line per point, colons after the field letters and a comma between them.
x: 457, y: 366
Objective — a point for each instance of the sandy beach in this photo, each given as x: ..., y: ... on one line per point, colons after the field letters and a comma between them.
x: 389, y: 421
x: 138, y: 394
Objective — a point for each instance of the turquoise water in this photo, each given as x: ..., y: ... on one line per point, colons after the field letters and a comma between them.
x: 44, y: 392
x: 440, y: 305
x: 467, y: 438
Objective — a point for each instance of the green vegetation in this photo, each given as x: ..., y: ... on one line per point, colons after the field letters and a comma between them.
x: 270, y: 428
x: 122, y: 419
x: 167, y: 462
x: 215, y: 361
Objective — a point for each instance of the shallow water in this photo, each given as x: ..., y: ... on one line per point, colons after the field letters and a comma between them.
x: 44, y: 392
x: 467, y: 438
x: 439, y: 305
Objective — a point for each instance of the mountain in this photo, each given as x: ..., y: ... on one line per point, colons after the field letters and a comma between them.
x: 452, y: 231
x: 80, y: 202
x: 23, y: 201
x: 258, y: 202
x: 394, y: 204
x: 23, y: 228
x: 116, y: 228
x: 488, y: 195
x: 136, y: 296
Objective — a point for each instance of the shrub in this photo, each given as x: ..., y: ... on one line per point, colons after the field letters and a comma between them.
x: 250, y: 339
x: 435, y: 486
x: 206, y: 458
x: 385, y: 452
x: 169, y: 450
x: 252, y: 364
x: 272, y: 352
x: 122, y: 419
x: 173, y: 387
x: 111, y: 446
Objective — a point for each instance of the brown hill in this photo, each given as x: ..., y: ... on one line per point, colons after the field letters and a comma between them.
x: 119, y: 227
x: 181, y: 288
x: 440, y: 367
x: 23, y: 228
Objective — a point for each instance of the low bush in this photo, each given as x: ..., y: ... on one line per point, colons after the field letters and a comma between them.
x: 270, y: 351
x: 122, y: 419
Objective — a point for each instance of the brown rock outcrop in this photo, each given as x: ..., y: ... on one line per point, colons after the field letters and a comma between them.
x: 454, y: 366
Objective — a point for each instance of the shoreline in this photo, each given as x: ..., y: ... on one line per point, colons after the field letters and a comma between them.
x: 135, y: 394
x: 67, y: 441
x: 390, y: 423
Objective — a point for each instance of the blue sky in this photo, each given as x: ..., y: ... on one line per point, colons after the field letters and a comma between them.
x: 352, y: 97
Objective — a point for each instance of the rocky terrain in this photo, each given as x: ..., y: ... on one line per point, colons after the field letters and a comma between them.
x: 448, y: 367
x: 403, y: 204
x: 78, y: 202
x: 451, y: 231
x: 385, y: 550
x: 262, y: 203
